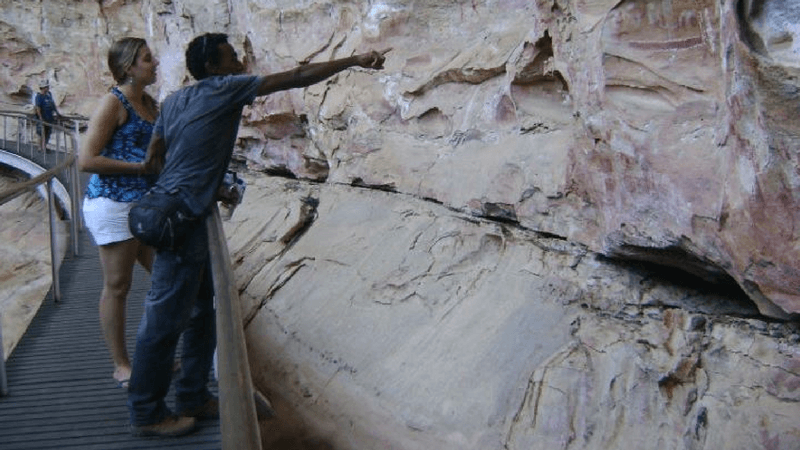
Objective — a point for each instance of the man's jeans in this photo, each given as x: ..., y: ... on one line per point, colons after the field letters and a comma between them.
x: 180, y: 300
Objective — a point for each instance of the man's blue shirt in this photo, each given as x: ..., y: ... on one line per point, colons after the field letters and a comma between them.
x: 47, y: 105
x: 199, y: 124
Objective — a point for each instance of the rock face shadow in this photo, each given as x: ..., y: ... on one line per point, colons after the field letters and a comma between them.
x: 287, y: 430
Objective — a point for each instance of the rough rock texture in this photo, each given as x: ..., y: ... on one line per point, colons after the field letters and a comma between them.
x: 471, y: 267
x: 658, y: 130
x: 435, y: 329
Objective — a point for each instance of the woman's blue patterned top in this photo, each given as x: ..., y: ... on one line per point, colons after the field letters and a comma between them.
x: 129, y: 143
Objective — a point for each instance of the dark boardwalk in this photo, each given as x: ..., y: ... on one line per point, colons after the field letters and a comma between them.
x: 61, y: 393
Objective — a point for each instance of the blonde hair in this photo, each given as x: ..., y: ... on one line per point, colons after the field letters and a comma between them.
x: 122, y: 55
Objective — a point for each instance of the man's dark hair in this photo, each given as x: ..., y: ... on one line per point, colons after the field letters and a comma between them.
x: 203, y: 49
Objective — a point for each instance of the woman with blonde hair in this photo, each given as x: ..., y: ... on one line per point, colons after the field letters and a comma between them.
x: 113, y: 151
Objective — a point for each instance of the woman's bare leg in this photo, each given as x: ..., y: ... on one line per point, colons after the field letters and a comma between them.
x: 117, y: 260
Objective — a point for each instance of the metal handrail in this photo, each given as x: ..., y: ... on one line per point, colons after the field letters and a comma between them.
x: 238, y: 418
x: 48, y: 179
x: 64, y: 158
x: 66, y: 143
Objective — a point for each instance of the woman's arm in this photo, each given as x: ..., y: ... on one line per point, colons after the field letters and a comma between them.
x: 105, y: 120
x: 156, y: 151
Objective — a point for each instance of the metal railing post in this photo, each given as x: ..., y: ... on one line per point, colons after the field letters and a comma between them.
x: 54, y: 135
x: 58, y: 143
x: 29, y: 132
x: 30, y: 128
x: 3, y: 376
x: 75, y: 224
x: 54, y: 262
x: 76, y: 149
x: 19, y: 134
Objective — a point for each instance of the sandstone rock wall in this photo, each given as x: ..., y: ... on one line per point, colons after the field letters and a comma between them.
x: 659, y: 130
x: 472, y: 273
x: 376, y: 320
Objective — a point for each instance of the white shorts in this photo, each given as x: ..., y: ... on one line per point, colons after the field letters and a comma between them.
x: 107, y: 220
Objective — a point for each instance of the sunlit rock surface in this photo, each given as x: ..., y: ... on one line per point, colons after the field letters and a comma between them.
x: 471, y: 265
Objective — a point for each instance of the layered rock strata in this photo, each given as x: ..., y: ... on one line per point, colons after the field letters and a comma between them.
x: 464, y: 259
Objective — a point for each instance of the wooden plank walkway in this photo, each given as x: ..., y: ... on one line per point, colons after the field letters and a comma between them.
x: 61, y: 393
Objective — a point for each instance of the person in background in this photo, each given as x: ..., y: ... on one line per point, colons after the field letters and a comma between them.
x: 192, y: 145
x: 113, y: 150
x: 46, y: 112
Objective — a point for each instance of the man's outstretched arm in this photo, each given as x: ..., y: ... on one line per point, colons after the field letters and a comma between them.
x: 308, y: 74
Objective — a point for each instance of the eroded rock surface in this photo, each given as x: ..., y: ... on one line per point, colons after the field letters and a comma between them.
x: 659, y: 130
x: 434, y: 329
x: 471, y: 267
